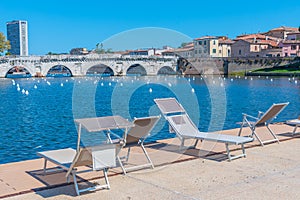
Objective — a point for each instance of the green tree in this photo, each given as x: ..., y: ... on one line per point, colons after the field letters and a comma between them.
x: 4, y: 44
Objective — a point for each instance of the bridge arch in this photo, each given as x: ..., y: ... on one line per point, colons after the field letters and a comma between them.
x: 100, y: 69
x: 18, y: 72
x: 166, y: 70
x: 136, y: 69
x: 59, y: 71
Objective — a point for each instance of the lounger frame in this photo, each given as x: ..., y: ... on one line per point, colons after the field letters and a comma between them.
x: 262, y: 119
x: 172, y: 109
x: 96, y: 158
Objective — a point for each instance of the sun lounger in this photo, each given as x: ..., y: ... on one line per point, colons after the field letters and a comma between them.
x: 96, y: 158
x: 263, y: 119
x: 136, y: 137
x: 294, y: 122
x: 184, y: 128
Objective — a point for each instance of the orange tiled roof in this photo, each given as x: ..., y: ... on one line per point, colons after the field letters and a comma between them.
x: 250, y: 36
x: 206, y: 37
x: 284, y: 28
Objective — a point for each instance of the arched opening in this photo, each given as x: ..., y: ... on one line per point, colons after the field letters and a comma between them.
x: 18, y: 72
x: 136, y: 70
x: 166, y: 70
x: 59, y: 71
x: 100, y: 70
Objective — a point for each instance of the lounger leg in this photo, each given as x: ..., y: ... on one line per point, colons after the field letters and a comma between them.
x: 240, y: 131
x: 147, y: 156
x: 75, y: 183
x: 243, y: 149
x: 294, y: 131
x: 228, y: 151
x: 275, y: 137
x: 128, y: 152
x: 257, y: 137
x: 121, y: 165
x: 106, y: 177
x: 196, y: 143
x: 45, y: 165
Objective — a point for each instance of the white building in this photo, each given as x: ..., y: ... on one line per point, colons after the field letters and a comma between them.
x: 17, y: 34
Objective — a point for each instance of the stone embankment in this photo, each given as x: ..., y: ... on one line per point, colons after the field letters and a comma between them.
x: 226, y: 66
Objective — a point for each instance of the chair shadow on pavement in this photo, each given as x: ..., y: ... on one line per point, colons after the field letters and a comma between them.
x: 189, y: 153
x: 55, y: 183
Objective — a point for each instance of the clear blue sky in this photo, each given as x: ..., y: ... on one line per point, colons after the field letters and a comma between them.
x: 58, y: 25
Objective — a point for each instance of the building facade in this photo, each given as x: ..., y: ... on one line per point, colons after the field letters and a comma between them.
x: 17, y: 34
x: 206, y: 46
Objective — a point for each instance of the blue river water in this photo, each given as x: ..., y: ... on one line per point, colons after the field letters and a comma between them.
x: 37, y: 114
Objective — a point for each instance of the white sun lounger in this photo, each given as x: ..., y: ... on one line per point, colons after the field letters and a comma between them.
x: 294, y: 122
x: 263, y: 119
x: 136, y: 137
x: 184, y: 128
x: 97, y: 158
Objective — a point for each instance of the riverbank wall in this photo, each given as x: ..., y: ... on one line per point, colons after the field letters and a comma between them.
x: 227, y: 66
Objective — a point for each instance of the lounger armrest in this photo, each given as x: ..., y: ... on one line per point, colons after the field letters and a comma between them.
x: 260, y: 113
x: 246, y: 116
x: 118, y: 140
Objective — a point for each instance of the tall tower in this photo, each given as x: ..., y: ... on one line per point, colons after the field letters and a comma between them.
x: 17, y: 34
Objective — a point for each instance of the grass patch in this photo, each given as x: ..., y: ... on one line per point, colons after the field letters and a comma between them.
x: 278, y: 70
x: 237, y: 73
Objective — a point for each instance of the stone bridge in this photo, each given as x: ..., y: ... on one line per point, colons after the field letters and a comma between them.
x: 86, y: 65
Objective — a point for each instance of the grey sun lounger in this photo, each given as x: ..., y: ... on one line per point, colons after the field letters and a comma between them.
x: 136, y: 137
x: 263, y: 119
x: 96, y: 158
x: 184, y: 127
x: 294, y: 122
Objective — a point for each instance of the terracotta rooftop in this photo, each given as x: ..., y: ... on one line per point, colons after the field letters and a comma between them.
x: 284, y: 28
x: 206, y: 37
x: 228, y: 41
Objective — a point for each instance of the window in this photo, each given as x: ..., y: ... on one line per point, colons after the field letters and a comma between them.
x: 293, y: 47
x: 204, y: 42
x: 240, y: 52
x: 200, y: 51
x: 220, y: 51
x: 214, y: 42
x: 195, y: 51
x: 255, y: 48
x: 200, y: 42
x: 214, y: 51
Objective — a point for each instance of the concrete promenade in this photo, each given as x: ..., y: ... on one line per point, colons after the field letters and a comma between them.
x: 269, y: 172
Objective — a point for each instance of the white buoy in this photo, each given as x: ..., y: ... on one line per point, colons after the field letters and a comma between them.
x: 231, y: 79
x: 48, y: 83
x: 296, y: 81
x: 62, y: 85
x: 193, y: 90
x: 35, y: 87
x: 169, y: 84
x: 26, y: 92
x: 109, y: 83
x: 150, y: 90
x: 18, y: 88
x: 18, y: 85
x: 271, y: 80
x: 23, y: 91
x: 102, y: 84
x: 121, y: 84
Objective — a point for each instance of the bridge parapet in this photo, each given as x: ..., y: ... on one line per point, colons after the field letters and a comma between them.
x: 79, y: 65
